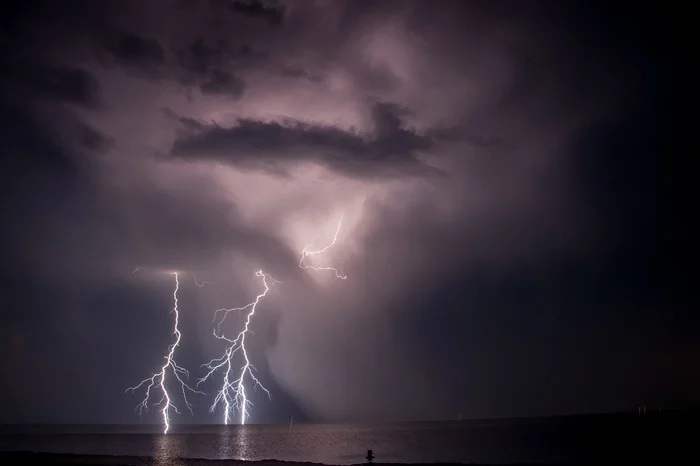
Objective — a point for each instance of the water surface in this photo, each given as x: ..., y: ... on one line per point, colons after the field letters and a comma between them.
x: 588, y: 439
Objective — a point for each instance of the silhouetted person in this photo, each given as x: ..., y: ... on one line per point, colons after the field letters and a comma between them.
x: 370, y: 456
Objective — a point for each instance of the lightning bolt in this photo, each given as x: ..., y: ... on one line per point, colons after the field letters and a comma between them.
x: 157, y: 380
x: 233, y: 392
x: 306, y: 252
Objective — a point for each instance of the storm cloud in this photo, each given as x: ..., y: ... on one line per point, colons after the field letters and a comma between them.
x: 513, y: 200
x: 391, y: 150
x: 255, y: 9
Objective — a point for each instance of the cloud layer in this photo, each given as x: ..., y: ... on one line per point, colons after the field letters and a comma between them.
x: 391, y: 151
x: 495, y: 166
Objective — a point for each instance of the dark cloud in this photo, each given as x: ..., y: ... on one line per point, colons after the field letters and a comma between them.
x: 55, y: 83
x: 256, y: 9
x: 93, y: 140
x: 390, y: 152
x: 300, y: 73
x: 30, y: 73
x: 201, y: 58
x: 137, y: 52
x: 210, y: 67
x: 220, y: 82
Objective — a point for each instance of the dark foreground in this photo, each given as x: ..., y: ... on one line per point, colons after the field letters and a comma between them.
x: 12, y: 458
x: 661, y: 438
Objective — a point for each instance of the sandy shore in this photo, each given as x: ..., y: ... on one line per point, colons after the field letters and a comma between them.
x: 12, y: 458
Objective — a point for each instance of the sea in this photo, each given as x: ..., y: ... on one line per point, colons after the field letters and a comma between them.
x: 602, y: 439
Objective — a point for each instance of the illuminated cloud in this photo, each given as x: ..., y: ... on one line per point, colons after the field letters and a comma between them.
x: 494, y: 164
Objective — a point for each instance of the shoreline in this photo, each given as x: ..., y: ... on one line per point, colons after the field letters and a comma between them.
x: 28, y: 457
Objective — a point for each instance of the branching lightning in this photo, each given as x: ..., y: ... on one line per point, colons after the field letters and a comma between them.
x: 158, y: 379
x: 233, y: 393
x: 306, y: 252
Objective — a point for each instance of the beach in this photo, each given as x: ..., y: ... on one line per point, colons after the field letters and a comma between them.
x: 11, y: 458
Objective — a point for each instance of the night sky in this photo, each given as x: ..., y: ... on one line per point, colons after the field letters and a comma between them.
x: 513, y: 177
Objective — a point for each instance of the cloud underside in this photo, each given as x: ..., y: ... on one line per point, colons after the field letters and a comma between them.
x: 564, y: 193
x: 390, y: 151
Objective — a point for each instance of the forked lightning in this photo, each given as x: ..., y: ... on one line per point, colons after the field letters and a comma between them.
x: 158, y: 379
x: 233, y: 393
x: 306, y: 252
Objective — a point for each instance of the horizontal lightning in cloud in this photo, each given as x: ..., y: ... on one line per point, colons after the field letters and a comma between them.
x: 306, y: 252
